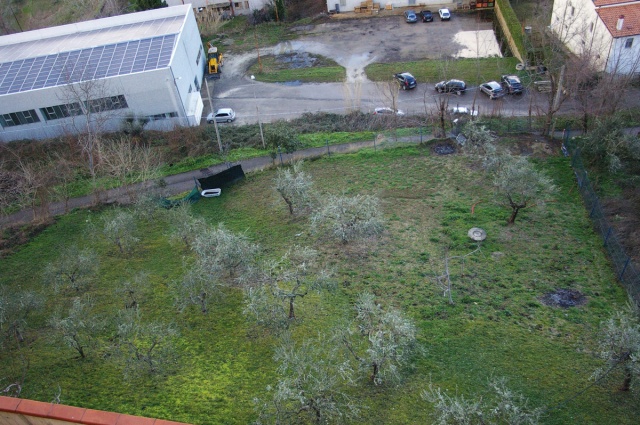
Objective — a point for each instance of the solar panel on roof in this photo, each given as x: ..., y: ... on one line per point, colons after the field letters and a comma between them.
x: 86, y: 64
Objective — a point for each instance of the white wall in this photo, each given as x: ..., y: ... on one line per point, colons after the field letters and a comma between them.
x: 148, y: 93
x: 349, y: 5
x: 241, y: 7
x: 624, y: 60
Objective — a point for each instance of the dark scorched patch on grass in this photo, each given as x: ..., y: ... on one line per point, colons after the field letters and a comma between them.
x: 564, y: 298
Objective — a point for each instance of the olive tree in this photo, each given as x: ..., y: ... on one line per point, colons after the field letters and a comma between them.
x: 74, y: 269
x: 134, y: 289
x: 349, y: 218
x: 619, y: 345
x: 281, y: 137
x: 197, y: 287
x: 78, y: 329
x: 519, y: 185
x: 120, y: 228
x: 184, y: 227
x: 296, y: 188
x: 382, y: 341
x: 286, y: 280
x: 608, y: 146
x: 311, y: 386
x: 15, y: 308
x: 500, y: 406
x: 143, y: 348
x: 223, y: 252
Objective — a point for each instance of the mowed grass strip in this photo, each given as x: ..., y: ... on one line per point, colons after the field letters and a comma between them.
x: 496, y: 326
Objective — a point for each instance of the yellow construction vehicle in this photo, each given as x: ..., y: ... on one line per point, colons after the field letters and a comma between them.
x: 214, y: 61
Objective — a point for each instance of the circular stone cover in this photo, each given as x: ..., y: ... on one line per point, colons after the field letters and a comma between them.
x: 477, y: 234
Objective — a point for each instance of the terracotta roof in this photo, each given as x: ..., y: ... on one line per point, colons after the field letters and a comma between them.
x: 599, y: 3
x: 631, y: 23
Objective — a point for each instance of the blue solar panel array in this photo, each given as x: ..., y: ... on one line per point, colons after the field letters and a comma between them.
x: 86, y: 64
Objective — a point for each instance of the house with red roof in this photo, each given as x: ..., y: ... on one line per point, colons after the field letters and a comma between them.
x: 608, y: 31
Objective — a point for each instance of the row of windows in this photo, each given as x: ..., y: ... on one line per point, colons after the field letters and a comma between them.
x: 19, y: 118
x: 159, y: 117
x: 56, y: 112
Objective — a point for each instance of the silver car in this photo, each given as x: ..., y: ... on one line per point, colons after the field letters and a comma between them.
x: 221, y: 115
x: 492, y: 89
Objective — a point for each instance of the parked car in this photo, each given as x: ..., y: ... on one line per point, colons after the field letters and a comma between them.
x: 406, y: 80
x: 388, y: 111
x: 451, y: 86
x: 427, y: 16
x: 492, y: 89
x: 463, y: 110
x: 445, y: 15
x: 410, y: 17
x: 512, y: 84
x: 221, y: 115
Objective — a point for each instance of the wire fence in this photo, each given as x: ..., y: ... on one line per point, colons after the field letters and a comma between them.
x: 626, y: 271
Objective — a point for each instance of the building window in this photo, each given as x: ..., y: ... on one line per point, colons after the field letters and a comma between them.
x: 237, y: 5
x: 190, y: 88
x: 107, y: 104
x: 628, y: 43
x: 61, y: 111
x: 573, y: 10
x: 195, y: 83
x: 246, y: 5
x: 591, y: 27
x: 19, y: 118
x: 199, y: 55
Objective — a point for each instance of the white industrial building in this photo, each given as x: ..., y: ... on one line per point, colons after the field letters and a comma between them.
x: 207, y: 8
x: 65, y: 79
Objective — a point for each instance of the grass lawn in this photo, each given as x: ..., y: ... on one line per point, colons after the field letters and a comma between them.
x: 497, y: 326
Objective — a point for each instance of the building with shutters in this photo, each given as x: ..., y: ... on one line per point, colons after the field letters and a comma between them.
x: 96, y: 74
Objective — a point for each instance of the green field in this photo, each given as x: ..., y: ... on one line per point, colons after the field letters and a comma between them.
x: 497, y: 326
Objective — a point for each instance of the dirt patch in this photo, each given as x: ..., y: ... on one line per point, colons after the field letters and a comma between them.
x: 447, y: 147
x: 564, y: 298
x: 296, y: 60
x: 13, y: 237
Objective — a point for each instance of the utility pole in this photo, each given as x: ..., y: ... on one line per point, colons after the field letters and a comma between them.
x: 255, y: 99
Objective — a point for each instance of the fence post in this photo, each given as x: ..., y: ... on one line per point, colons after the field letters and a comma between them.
x: 420, y: 135
x: 624, y: 269
x: 328, y: 151
x: 374, y: 144
x: 280, y: 153
x: 606, y: 238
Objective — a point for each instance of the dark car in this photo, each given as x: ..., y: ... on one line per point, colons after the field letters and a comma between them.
x: 492, y: 89
x: 512, y: 84
x: 410, y: 16
x: 451, y: 86
x: 427, y: 16
x: 406, y: 80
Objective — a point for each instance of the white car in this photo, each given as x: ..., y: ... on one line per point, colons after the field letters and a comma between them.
x: 387, y: 111
x: 463, y: 110
x: 222, y: 115
x: 445, y: 15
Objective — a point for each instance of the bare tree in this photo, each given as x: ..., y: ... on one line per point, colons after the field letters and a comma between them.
x: 311, y: 386
x: 128, y: 162
x: 74, y: 269
x: 11, y: 188
x: 501, y: 406
x: 444, y: 279
x: 78, y: 329
x: 620, y: 346
x: 296, y: 188
x: 382, y: 341
x: 349, y: 218
x: 389, y: 91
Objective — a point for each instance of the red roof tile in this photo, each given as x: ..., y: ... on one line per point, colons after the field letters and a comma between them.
x: 8, y: 404
x: 134, y: 420
x: 631, y: 22
x: 34, y: 408
x: 99, y: 417
x: 66, y: 413
x: 599, y: 3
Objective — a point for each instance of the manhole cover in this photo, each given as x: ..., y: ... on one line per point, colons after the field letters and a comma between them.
x: 564, y: 298
x: 477, y: 234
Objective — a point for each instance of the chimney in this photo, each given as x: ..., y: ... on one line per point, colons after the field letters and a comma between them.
x: 620, y: 23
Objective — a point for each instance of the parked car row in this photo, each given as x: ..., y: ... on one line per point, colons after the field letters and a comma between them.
x: 411, y: 17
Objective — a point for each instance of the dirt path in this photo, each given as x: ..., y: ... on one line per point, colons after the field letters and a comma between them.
x: 179, y: 183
